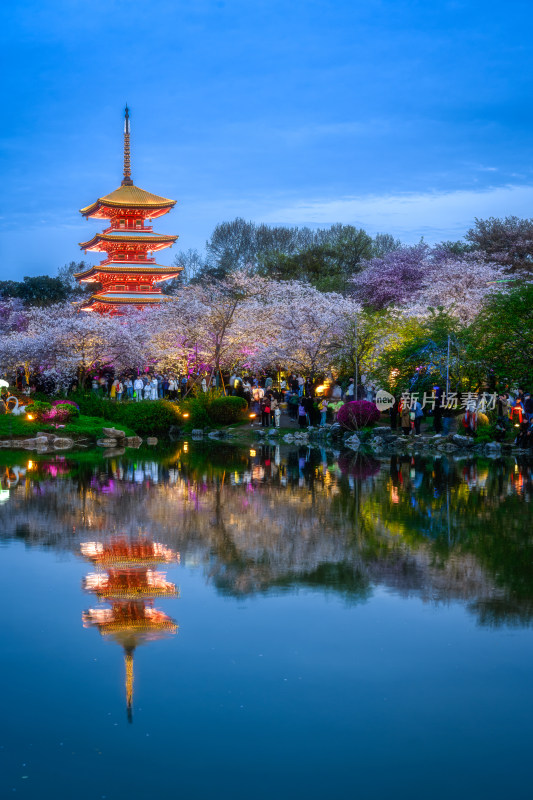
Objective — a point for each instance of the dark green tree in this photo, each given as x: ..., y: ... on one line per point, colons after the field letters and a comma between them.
x: 501, y: 338
x: 40, y: 290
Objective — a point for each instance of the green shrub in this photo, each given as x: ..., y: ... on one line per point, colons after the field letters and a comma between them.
x: 213, y: 408
x: 148, y: 417
x: 40, y: 409
x: 225, y: 410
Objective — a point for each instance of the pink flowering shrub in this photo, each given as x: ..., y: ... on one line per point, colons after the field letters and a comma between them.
x: 357, y: 414
x: 61, y: 412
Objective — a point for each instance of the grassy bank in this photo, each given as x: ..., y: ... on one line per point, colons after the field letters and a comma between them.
x: 12, y: 427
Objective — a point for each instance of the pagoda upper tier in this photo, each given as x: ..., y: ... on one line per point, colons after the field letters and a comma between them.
x: 138, y: 202
x: 129, y: 274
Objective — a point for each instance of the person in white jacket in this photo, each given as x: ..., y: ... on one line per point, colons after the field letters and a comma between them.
x: 138, y: 387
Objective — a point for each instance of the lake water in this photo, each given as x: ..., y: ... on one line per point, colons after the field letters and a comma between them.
x: 265, y: 623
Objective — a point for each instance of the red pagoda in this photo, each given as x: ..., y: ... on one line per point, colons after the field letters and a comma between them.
x: 129, y: 275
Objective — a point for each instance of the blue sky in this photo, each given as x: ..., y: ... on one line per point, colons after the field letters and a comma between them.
x: 401, y: 116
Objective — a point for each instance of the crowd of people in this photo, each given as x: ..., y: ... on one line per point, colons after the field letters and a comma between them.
x: 517, y: 409
x: 306, y: 401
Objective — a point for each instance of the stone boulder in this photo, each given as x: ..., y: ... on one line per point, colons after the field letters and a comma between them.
x: 336, y: 431
x: 49, y: 437
x: 17, y: 444
x: 113, y: 433
x: 353, y: 442
x: 42, y: 440
x: 63, y: 443
x: 376, y: 443
x: 106, y: 442
x: 197, y: 434
x: 289, y: 438
x: 447, y: 447
x: 493, y: 449
x: 152, y: 441
x: 462, y: 441
x: 390, y: 438
x: 132, y: 441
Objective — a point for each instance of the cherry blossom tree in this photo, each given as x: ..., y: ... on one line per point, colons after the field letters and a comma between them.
x: 458, y: 285
x: 392, y: 279
x: 310, y: 327
x: 506, y: 241
x: 61, y: 340
x: 419, y: 278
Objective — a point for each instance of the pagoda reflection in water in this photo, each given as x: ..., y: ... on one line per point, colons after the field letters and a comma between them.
x: 128, y: 581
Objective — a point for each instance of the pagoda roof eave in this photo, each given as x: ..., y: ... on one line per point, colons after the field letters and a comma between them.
x: 112, y: 238
x: 126, y: 299
x: 129, y: 197
x: 124, y: 267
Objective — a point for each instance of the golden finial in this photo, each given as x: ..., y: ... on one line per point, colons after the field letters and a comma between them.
x: 127, y: 164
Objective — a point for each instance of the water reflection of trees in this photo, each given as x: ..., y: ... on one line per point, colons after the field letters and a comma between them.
x: 271, y: 518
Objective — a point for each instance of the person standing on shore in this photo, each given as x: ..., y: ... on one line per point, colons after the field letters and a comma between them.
x: 323, y: 408
x: 405, y: 418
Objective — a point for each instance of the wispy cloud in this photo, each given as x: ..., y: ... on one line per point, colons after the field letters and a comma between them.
x: 435, y: 215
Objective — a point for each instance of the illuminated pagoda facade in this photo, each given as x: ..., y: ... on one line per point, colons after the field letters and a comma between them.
x: 128, y: 276
x: 128, y: 582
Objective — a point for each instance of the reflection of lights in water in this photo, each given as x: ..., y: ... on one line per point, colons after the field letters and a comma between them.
x: 30, y: 465
x: 394, y: 496
x: 253, y: 453
x: 4, y: 495
x: 129, y: 583
x: 185, y: 447
x: 125, y: 552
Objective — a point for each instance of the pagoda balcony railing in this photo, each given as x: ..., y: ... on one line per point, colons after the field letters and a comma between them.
x: 129, y: 229
x: 127, y: 259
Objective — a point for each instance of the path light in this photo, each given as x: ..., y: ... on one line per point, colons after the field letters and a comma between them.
x: 252, y: 417
x: 185, y: 414
x: 30, y: 416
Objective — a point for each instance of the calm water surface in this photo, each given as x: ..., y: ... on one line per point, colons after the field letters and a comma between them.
x: 266, y: 623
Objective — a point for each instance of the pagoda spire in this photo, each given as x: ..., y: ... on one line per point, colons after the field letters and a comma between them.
x: 127, y: 163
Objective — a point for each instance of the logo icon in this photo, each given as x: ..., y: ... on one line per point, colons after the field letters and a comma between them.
x: 384, y: 400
